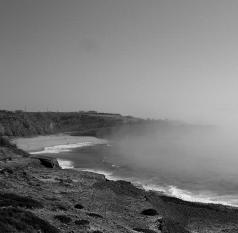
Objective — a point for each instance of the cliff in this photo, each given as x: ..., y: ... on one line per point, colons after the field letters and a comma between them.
x: 20, y: 123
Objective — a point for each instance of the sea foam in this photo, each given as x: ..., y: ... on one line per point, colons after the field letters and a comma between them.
x: 170, y: 190
x: 62, y: 148
x: 65, y: 164
x: 109, y: 175
x: 202, y: 197
x: 173, y: 191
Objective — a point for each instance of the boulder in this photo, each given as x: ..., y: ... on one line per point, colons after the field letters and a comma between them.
x: 47, y: 161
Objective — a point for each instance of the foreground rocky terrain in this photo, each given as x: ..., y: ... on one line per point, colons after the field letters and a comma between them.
x: 37, y: 196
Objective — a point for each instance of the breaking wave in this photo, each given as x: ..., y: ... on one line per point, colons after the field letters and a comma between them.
x: 109, y: 175
x: 203, y: 197
x: 173, y: 191
x: 65, y: 164
x: 64, y: 148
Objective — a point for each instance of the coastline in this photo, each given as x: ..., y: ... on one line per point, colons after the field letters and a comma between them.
x: 118, y: 205
x: 73, y: 201
x: 44, y: 145
x: 103, y: 205
x: 169, y: 190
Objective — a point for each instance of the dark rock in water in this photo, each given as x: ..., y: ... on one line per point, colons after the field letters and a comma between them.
x: 78, y: 206
x: 47, y: 161
x: 149, y: 212
x: 82, y: 222
x: 63, y: 218
x: 16, y: 220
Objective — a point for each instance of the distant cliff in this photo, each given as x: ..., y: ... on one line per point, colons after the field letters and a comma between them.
x: 21, y: 123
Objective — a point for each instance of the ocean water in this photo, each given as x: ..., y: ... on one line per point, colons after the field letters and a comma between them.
x: 193, y: 166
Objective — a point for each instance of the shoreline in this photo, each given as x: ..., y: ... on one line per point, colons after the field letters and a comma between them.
x: 179, y: 193
x: 84, y: 201
x: 70, y: 201
x: 170, y: 190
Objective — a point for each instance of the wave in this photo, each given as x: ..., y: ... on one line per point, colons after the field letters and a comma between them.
x: 64, y: 148
x: 65, y: 164
x: 109, y: 175
x: 202, y: 197
x: 173, y: 191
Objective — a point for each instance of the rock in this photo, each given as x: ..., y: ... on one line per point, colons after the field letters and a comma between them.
x: 47, y: 161
x: 120, y: 187
x: 78, y: 206
x: 149, y: 212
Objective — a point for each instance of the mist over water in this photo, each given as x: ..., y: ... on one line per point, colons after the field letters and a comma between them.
x: 193, y: 163
x: 198, y: 154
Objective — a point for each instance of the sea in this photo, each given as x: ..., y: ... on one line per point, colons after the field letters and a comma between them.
x: 194, y: 167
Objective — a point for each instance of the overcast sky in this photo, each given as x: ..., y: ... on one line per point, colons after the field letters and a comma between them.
x: 160, y: 59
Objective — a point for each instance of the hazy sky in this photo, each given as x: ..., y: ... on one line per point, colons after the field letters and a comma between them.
x: 162, y: 59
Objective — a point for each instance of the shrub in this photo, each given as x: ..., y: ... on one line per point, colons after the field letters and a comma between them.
x: 144, y: 230
x: 14, y: 220
x: 94, y: 215
x: 82, y: 222
x: 63, y: 218
x: 4, y: 141
x: 149, y: 212
x: 11, y: 199
x: 78, y: 206
x: 59, y: 207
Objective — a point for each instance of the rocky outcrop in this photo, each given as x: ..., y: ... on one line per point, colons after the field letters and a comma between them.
x: 120, y: 187
x: 47, y: 161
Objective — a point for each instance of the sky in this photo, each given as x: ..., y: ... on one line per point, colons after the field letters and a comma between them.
x: 157, y: 59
